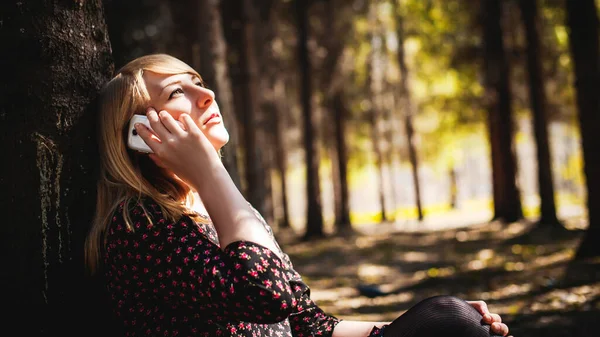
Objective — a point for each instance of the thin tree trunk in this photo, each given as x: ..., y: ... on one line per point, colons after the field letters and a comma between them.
x: 408, y: 108
x: 280, y: 154
x: 374, y: 85
x: 507, y: 202
x: 210, y: 61
x: 537, y: 93
x: 582, y: 20
x: 59, y: 57
x: 314, y: 216
x: 239, y: 24
x: 342, y: 205
x: 332, y: 87
x: 453, y: 188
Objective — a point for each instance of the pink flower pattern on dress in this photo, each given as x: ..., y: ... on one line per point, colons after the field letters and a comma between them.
x: 173, y: 279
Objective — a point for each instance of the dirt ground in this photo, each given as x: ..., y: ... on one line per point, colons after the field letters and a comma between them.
x: 524, y: 273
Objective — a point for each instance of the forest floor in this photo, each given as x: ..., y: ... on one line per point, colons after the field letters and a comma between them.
x: 526, y: 275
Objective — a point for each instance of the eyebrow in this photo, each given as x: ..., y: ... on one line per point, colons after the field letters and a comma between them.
x: 192, y: 76
x: 168, y: 85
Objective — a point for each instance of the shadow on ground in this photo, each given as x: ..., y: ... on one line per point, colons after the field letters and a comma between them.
x: 524, y: 273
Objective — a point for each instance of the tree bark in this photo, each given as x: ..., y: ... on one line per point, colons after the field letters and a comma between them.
x: 280, y: 154
x: 537, y: 97
x: 342, y: 203
x: 239, y: 22
x: 59, y: 57
x: 331, y: 81
x: 374, y: 84
x: 582, y: 20
x: 408, y: 108
x: 507, y: 202
x: 314, y: 216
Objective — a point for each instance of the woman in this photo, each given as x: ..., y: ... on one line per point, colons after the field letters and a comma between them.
x: 183, y: 253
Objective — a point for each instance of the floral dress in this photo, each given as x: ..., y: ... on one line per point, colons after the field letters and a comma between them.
x: 173, y: 279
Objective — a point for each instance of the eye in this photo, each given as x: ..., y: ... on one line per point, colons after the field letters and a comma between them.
x: 200, y: 84
x: 177, y: 91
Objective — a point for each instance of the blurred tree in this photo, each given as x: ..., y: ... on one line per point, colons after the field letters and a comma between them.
x: 314, y: 216
x: 239, y: 20
x: 374, y: 86
x: 202, y: 45
x: 406, y: 104
x: 140, y: 27
x: 59, y: 57
x: 272, y: 99
x: 538, y: 101
x: 507, y: 202
x: 280, y: 147
x: 338, y: 24
x: 582, y: 20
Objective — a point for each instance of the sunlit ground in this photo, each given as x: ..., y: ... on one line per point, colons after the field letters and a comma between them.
x: 525, y: 276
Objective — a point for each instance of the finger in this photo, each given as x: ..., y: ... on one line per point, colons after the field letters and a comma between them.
x: 496, y: 318
x: 147, y: 136
x: 156, y: 124
x: 170, y: 123
x: 482, y: 308
x: 499, y: 328
x: 188, y: 124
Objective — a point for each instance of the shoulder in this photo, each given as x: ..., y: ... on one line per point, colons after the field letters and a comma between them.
x: 140, y: 215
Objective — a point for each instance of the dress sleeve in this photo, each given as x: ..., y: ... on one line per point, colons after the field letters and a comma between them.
x: 178, y: 263
x: 307, y: 319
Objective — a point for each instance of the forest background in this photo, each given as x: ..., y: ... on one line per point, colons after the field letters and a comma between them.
x: 400, y: 148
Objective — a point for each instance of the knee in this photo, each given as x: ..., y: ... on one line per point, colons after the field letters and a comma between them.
x: 453, y: 308
x: 446, y: 303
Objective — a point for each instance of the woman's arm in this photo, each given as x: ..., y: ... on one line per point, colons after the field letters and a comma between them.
x: 355, y: 328
x: 189, y: 154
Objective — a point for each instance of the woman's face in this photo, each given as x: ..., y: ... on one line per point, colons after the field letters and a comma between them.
x: 183, y: 93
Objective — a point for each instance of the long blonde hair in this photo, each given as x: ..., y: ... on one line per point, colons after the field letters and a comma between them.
x: 125, y: 175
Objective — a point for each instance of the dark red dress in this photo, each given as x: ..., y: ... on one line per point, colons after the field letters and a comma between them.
x: 173, y: 279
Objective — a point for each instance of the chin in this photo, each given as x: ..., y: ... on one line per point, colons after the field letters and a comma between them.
x: 218, y: 137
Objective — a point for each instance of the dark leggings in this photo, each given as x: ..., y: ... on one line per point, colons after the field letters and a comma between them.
x: 446, y: 316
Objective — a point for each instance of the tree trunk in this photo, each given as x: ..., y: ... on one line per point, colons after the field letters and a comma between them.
x: 59, y: 57
x: 331, y: 81
x: 314, y: 216
x: 537, y: 97
x: 239, y: 22
x: 374, y: 84
x: 507, y: 202
x: 280, y: 154
x: 582, y: 20
x: 408, y: 108
x: 210, y: 59
x: 342, y: 204
x: 205, y: 49
x: 453, y: 188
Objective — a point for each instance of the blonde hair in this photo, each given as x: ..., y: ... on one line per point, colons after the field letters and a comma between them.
x: 126, y: 175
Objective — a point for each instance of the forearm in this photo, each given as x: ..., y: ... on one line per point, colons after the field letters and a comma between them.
x: 355, y: 328
x: 231, y: 214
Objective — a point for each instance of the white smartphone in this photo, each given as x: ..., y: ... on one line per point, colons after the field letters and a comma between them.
x: 134, y: 141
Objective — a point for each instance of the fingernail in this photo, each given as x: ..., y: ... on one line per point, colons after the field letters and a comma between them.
x: 137, y: 125
x: 487, y: 317
x: 149, y: 110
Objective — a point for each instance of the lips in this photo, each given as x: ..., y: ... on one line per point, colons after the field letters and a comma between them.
x: 213, y: 115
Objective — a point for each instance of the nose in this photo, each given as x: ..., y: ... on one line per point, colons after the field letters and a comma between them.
x: 205, y: 98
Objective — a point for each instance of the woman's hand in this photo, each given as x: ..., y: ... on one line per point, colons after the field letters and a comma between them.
x: 494, y: 320
x: 179, y: 146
